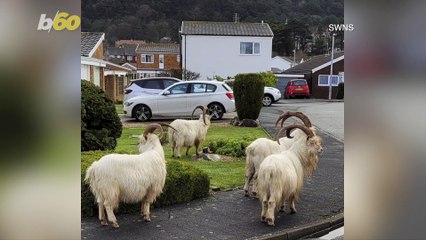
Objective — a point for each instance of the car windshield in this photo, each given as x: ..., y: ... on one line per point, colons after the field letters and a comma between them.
x: 299, y: 83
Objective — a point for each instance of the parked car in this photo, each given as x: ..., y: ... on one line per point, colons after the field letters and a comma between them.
x: 297, y: 87
x: 180, y: 99
x: 270, y: 96
x: 148, y: 85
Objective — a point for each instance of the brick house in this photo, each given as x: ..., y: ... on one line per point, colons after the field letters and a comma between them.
x: 157, y: 59
x: 316, y: 71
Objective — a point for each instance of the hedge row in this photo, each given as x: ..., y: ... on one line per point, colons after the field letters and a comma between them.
x: 234, y: 147
x: 183, y: 184
x: 248, y: 92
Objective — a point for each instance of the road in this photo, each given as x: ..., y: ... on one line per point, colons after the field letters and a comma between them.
x: 230, y: 215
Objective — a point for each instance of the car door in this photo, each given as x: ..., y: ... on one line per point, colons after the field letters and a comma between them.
x: 174, y: 103
x: 200, y: 94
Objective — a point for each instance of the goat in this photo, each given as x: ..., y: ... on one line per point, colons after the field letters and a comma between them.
x: 128, y: 178
x: 189, y: 132
x: 259, y: 149
x: 280, y: 176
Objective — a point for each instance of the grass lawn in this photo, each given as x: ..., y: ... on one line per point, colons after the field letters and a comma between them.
x: 223, y: 174
x: 119, y: 108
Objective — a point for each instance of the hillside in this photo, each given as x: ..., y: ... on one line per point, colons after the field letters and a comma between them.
x: 151, y: 20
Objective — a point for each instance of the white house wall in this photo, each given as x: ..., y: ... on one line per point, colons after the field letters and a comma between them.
x: 280, y: 63
x: 220, y: 55
x: 85, y: 72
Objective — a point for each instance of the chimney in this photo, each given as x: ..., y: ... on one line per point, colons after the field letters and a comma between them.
x: 236, y: 18
x: 262, y: 22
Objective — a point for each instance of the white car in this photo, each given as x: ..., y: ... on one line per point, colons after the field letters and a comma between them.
x: 180, y: 100
x: 148, y: 85
x: 270, y: 96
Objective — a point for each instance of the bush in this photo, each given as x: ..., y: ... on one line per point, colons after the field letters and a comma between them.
x: 183, y: 184
x: 100, y: 124
x: 248, y: 92
x: 340, y: 91
x: 234, y: 147
x: 269, y: 78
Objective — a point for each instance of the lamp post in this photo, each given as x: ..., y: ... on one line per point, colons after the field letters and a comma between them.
x: 331, y: 67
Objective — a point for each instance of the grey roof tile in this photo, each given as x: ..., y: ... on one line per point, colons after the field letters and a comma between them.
x: 309, y: 65
x: 226, y: 29
x: 158, y: 47
x: 89, y: 41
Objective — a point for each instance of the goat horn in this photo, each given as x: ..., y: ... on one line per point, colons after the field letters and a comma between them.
x: 288, y: 129
x: 204, y: 113
x: 168, y: 125
x: 151, y: 128
x: 299, y: 115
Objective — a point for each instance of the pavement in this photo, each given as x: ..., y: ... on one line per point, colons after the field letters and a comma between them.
x: 230, y: 215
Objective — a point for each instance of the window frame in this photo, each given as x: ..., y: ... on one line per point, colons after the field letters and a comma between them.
x: 328, y: 80
x: 252, y: 48
x: 143, y: 58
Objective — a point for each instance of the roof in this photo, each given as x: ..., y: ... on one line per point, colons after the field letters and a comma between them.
x: 114, y: 51
x: 226, y: 29
x: 158, y: 47
x: 119, y: 43
x: 313, y: 64
x: 103, y: 63
x: 90, y: 42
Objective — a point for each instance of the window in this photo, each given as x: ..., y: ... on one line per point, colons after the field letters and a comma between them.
x: 178, y: 58
x: 168, y: 83
x: 249, y: 48
x: 147, y: 58
x: 323, y: 80
x: 129, y: 58
x: 179, y: 89
x: 211, y: 88
x: 150, y: 84
x: 199, y: 88
x: 299, y: 83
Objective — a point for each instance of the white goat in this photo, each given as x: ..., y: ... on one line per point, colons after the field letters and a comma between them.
x: 128, y: 178
x: 259, y: 149
x: 280, y: 176
x: 186, y: 133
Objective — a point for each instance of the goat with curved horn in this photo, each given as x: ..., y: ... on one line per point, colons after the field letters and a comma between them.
x: 204, y: 113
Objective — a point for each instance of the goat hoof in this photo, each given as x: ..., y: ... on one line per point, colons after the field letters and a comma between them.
x: 104, y: 223
x: 246, y: 193
x: 115, y: 225
x: 270, y: 222
x: 147, y: 219
x: 263, y: 219
x: 293, y: 211
x: 254, y: 193
x: 282, y: 209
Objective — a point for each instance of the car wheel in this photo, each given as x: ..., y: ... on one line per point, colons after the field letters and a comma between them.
x: 216, y: 111
x: 142, y: 113
x: 267, y: 100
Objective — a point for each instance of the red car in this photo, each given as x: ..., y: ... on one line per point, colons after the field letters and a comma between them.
x: 297, y: 87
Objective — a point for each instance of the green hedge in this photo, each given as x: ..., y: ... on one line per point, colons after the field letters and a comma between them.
x: 234, y: 147
x: 100, y: 123
x: 183, y: 184
x: 269, y: 78
x: 248, y: 92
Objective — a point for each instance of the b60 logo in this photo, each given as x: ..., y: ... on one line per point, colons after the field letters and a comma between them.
x: 62, y: 20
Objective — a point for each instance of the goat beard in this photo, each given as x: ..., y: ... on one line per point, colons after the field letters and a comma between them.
x: 311, y: 164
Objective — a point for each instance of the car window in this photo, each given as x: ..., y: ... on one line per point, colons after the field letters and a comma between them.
x: 198, y: 88
x: 227, y: 88
x: 152, y: 84
x: 299, y: 83
x: 211, y: 88
x: 168, y: 82
x: 179, y: 89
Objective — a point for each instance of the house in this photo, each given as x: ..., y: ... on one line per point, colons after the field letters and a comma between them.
x: 122, y: 43
x: 280, y: 63
x: 225, y: 48
x: 157, y: 59
x: 121, y: 55
x: 110, y: 77
x: 317, y: 71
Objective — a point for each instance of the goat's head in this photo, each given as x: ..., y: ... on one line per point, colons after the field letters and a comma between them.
x: 205, y: 117
x: 148, y: 139
x: 299, y: 115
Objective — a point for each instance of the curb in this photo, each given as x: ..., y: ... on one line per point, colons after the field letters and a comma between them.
x: 310, y: 230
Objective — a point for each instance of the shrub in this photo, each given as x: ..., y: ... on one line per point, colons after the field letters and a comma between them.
x: 100, y: 124
x: 234, y: 147
x: 269, y: 78
x: 248, y: 92
x: 340, y: 91
x: 183, y: 184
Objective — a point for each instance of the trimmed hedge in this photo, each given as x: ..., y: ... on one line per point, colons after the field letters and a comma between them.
x: 340, y: 91
x: 234, y: 147
x: 269, y: 78
x: 183, y: 184
x: 100, y: 123
x: 248, y: 92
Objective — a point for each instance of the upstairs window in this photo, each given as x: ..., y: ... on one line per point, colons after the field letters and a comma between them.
x: 147, y: 58
x: 249, y: 48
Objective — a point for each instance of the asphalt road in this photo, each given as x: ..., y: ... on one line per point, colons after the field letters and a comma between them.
x: 230, y: 215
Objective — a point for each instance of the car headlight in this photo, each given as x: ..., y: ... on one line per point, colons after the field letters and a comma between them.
x: 128, y: 103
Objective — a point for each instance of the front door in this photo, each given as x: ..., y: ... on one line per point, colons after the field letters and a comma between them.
x: 161, y: 60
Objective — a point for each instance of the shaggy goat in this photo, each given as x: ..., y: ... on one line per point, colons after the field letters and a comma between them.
x: 128, y: 178
x: 189, y: 132
x: 259, y: 149
x: 280, y: 176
